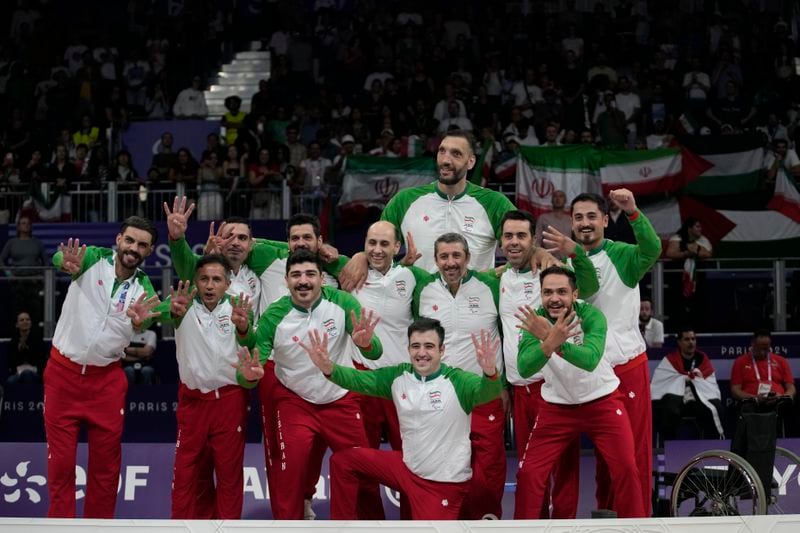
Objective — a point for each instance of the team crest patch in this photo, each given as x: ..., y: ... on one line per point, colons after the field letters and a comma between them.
x: 400, y: 286
x: 474, y: 304
x: 330, y: 327
x: 435, y: 398
x: 527, y: 290
x: 252, y: 284
x: 469, y: 224
x: 224, y: 324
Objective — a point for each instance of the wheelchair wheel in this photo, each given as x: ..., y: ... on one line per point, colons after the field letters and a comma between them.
x: 717, y: 483
x: 787, y: 469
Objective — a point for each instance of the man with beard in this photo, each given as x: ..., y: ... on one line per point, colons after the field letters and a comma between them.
x: 465, y: 302
x: 451, y: 204
x: 108, y: 299
x: 565, y: 339
x: 519, y: 287
x: 619, y: 268
x: 308, y: 407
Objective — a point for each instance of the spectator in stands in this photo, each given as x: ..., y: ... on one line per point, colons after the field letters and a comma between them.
x: 453, y: 120
x: 88, y: 134
x: 138, y: 358
x: 696, y: 86
x: 184, y: 170
x: 156, y: 105
x: 685, y: 385
x: 658, y: 138
x: 135, y: 71
x: 527, y: 93
x: 781, y: 158
x: 651, y: 328
x: 731, y: 109
x: 191, y: 102
x: 233, y: 119
x: 163, y: 159
x: 313, y: 176
x: 559, y: 218
x: 209, y: 177
x: 521, y: 128
x: 761, y: 374
x: 264, y: 176
x: 689, y: 242
x: 26, y: 352
x: 130, y: 186
x: 20, y: 252
x: 297, y: 150
x: 232, y: 171
x: 440, y: 112
x: 612, y: 126
x: 630, y: 104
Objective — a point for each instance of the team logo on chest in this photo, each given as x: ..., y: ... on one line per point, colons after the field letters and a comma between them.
x: 469, y: 224
x: 435, y: 398
x: 527, y: 290
x: 474, y: 303
x: 330, y: 327
x: 251, y: 282
x: 224, y: 324
x: 400, y: 287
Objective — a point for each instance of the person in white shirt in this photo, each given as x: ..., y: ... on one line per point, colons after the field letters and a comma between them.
x: 652, y: 329
x: 440, y: 112
x: 454, y: 120
x: 191, y: 102
x: 781, y: 158
x: 689, y: 242
x: 629, y: 103
x: 313, y: 174
x: 138, y: 355
x: 527, y: 93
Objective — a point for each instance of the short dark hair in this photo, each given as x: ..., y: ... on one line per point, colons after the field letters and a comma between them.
x: 561, y: 271
x: 449, y: 238
x: 762, y: 332
x: 303, y: 256
x: 683, y: 329
x: 518, y: 214
x: 423, y: 324
x: 234, y: 219
x: 463, y: 134
x: 601, y: 202
x: 142, y: 224
x: 214, y: 259
x: 303, y: 218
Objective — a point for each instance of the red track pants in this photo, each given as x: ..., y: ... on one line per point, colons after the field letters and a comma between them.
x: 606, y: 422
x: 95, y: 396
x: 211, y: 427
x: 488, y: 462
x: 429, y: 500
x: 634, y: 386
x: 298, y: 425
x: 564, y: 486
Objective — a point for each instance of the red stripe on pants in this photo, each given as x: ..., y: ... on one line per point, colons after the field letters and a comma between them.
x: 210, y: 428
x: 298, y: 424
x: 634, y: 387
x: 562, y: 491
x: 95, y: 396
x: 429, y: 500
x: 488, y: 462
x: 606, y: 422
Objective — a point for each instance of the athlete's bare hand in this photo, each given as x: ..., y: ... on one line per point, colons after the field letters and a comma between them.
x: 354, y: 274
x: 412, y: 254
x: 181, y: 298
x: 542, y: 260
x: 142, y: 309
x: 328, y: 253
x: 624, y: 199
x: 363, y: 328
x: 241, y: 313
x: 318, y: 351
x: 72, y: 255
x: 249, y: 366
x: 486, y: 352
x: 557, y: 243
x: 567, y: 325
x: 178, y: 217
x: 536, y: 325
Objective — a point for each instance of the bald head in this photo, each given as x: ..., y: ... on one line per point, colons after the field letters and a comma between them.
x: 381, y: 245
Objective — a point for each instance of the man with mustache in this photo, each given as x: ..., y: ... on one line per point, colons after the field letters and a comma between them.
x: 450, y: 204
x: 309, y: 408
x: 619, y: 268
x: 109, y: 298
x: 565, y: 339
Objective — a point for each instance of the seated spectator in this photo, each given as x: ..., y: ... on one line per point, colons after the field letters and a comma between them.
x: 689, y: 242
x: 440, y: 112
x: 26, y: 352
x: 297, y: 150
x: 265, y: 178
x: 652, y: 329
x: 732, y: 109
x: 685, y: 385
x: 130, y: 185
x: 521, y: 128
x: 164, y: 158
x: 88, y: 133
x: 233, y: 119
x: 781, y: 158
x: 313, y: 173
x: 612, y: 125
x: 559, y: 218
x: 773, y: 130
x: 138, y: 354
x: 156, y: 105
x: 761, y: 374
x: 185, y: 168
x: 191, y: 102
x: 527, y: 93
x: 209, y: 177
x: 453, y: 120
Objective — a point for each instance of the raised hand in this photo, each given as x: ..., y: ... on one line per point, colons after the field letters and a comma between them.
x: 241, y: 313
x: 354, y: 274
x: 486, y: 352
x: 181, y: 298
x: 249, y: 366
x: 178, y: 217
x: 318, y: 351
x: 328, y: 253
x: 536, y: 325
x: 142, y: 309
x: 363, y: 328
x: 557, y: 243
x: 624, y: 199
x: 567, y: 325
x: 72, y: 255
x: 542, y: 260
x: 217, y: 242
x: 412, y: 255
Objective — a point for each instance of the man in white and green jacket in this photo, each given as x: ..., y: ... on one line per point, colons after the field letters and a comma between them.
x: 433, y: 402
x: 308, y: 407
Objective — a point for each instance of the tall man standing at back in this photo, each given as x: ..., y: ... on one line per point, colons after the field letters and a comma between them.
x: 108, y: 299
x: 619, y: 268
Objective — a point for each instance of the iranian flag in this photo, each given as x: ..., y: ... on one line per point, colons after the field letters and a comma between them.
x: 738, y: 164
x: 369, y: 181
x: 647, y: 172
x: 787, y: 196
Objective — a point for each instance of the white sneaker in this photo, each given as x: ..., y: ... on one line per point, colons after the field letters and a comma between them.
x: 308, y: 511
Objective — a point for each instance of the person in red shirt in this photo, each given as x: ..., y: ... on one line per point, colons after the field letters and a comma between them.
x: 761, y: 373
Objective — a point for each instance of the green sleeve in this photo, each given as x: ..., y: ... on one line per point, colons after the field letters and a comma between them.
x: 335, y: 268
x: 371, y: 382
x: 585, y: 274
x: 183, y: 259
x: 93, y: 255
x: 494, y: 203
x: 280, y: 245
x: 263, y: 254
x: 421, y: 276
x: 587, y: 355
x: 491, y: 280
x: 263, y: 338
x: 633, y: 261
x: 350, y: 305
x: 416, y: 297
x: 530, y: 356
x: 473, y: 390
x: 395, y: 210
